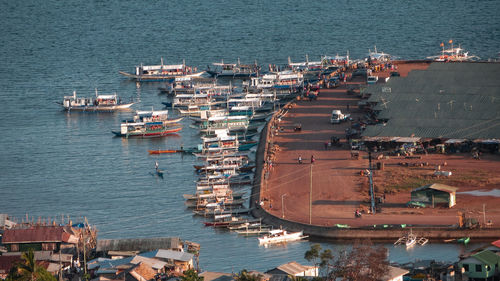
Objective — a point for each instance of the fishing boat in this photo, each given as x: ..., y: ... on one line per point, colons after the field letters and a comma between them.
x: 233, y: 70
x: 97, y: 103
x: 148, y: 124
x: 162, y: 72
x: 281, y: 235
x: 453, y: 54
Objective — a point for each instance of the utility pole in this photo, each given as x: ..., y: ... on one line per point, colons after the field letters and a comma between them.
x: 310, y: 195
x: 371, y: 182
x: 484, y: 214
x: 283, y: 206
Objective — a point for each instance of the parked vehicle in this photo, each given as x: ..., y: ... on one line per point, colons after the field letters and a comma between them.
x: 338, y: 116
x: 372, y: 79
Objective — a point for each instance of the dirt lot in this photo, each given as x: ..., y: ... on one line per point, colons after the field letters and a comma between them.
x: 338, y: 187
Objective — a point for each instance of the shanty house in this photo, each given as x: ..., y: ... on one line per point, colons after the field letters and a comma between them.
x: 179, y: 260
x: 294, y: 269
x: 38, y: 238
x: 435, y: 194
x: 484, y: 264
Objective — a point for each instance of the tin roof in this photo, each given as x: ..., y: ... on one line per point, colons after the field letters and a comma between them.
x: 487, y: 257
x: 138, y: 244
x: 169, y: 254
x: 36, y: 234
x: 292, y: 268
x: 448, y: 100
x: 437, y: 186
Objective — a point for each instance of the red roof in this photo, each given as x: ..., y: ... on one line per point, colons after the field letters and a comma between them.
x: 496, y: 243
x: 36, y: 234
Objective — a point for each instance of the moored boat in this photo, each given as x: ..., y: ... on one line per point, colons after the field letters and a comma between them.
x: 148, y: 124
x: 233, y: 70
x: 162, y: 72
x: 97, y: 103
x: 281, y: 235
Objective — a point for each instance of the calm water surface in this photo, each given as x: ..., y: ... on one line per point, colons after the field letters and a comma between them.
x: 54, y: 163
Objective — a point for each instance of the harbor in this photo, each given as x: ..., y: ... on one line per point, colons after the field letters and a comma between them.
x: 57, y: 161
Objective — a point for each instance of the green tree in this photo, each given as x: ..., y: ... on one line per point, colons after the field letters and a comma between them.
x: 191, y: 275
x: 313, y: 254
x: 244, y: 275
x: 29, y: 270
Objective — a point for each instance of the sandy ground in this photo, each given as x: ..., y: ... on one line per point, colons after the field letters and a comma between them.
x: 337, y: 186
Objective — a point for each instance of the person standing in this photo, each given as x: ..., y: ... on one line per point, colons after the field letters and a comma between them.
x: 312, y: 159
x: 300, y: 159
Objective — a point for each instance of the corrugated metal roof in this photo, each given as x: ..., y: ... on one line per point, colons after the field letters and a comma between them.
x: 138, y: 244
x: 292, y: 268
x: 169, y: 254
x: 36, y: 234
x: 438, y: 186
x: 487, y: 257
x: 448, y: 100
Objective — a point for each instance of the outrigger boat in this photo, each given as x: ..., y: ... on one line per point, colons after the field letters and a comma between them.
x: 97, y: 103
x: 148, y: 124
x: 162, y: 72
x: 280, y: 235
x: 233, y: 70
x: 453, y: 54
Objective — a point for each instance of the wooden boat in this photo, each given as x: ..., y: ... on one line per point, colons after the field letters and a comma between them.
x: 146, y: 130
x: 163, y: 151
x: 162, y: 72
x: 280, y: 235
x: 453, y: 54
x: 463, y: 240
x: 148, y: 124
x: 97, y: 103
x: 233, y: 70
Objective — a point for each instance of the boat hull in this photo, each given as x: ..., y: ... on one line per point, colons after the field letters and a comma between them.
x: 100, y: 108
x: 155, y: 134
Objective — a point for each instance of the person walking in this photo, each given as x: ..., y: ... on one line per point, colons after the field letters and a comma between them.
x: 312, y: 159
x: 300, y: 159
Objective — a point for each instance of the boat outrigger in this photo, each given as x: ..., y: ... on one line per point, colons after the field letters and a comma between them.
x: 162, y: 72
x: 148, y: 124
x: 97, y: 103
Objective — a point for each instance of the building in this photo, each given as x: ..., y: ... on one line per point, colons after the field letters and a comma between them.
x: 39, y: 238
x: 294, y: 269
x: 484, y: 264
x: 435, y: 194
x: 138, y: 245
x: 394, y: 274
x: 178, y: 261
x: 445, y: 101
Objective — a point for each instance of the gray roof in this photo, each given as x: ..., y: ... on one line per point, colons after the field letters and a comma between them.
x: 138, y: 244
x: 169, y: 254
x: 437, y: 186
x: 448, y: 100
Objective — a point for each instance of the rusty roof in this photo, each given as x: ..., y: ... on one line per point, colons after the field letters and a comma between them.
x: 36, y: 234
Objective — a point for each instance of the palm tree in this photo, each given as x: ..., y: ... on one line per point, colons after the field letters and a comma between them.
x: 29, y: 270
x: 191, y: 275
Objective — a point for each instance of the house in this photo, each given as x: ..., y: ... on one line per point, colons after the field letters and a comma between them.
x: 394, y: 274
x: 435, y: 194
x: 5, y: 222
x: 294, y: 269
x: 138, y: 244
x: 216, y: 276
x: 484, y: 264
x: 180, y: 260
x: 39, y: 238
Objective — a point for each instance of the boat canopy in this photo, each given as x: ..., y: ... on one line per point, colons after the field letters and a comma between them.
x: 160, y: 67
x: 106, y: 97
x: 152, y: 113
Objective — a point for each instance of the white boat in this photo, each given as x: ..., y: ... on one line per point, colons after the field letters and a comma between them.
x: 281, y: 235
x: 411, y: 240
x: 233, y: 69
x: 97, y: 103
x: 162, y: 72
x: 453, y: 54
